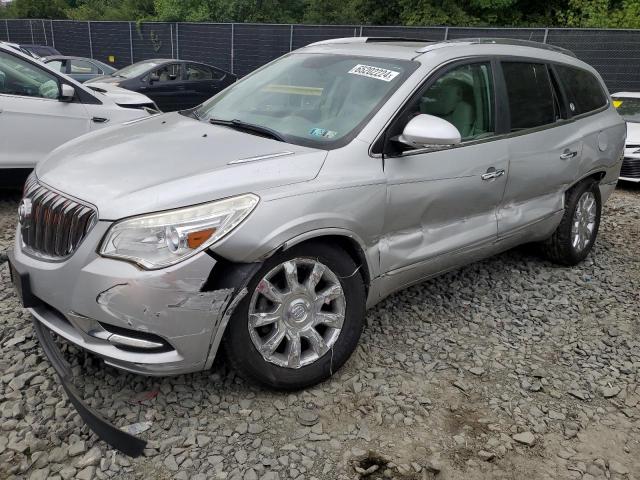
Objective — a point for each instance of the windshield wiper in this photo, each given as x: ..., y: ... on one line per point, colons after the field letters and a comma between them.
x: 249, y: 127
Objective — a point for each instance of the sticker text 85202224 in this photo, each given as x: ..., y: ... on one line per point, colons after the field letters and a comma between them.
x: 374, y: 72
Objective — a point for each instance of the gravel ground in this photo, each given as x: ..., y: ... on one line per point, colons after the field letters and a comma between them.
x: 508, y: 368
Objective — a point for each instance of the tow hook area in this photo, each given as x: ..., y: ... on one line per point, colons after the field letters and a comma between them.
x: 116, y: 438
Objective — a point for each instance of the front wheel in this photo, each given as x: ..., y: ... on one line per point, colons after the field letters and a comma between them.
x: 301, y: 319
x: 574, y: 238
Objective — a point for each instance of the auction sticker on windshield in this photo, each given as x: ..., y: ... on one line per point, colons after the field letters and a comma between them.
x: 374, y: 72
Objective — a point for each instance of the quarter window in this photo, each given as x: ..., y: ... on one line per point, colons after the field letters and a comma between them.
x: 584, y: 91
x: 530, y: 95
x: 18, y: 77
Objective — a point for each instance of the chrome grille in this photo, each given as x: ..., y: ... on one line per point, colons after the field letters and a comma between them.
x: 52, y: 225
x: 630, y: 168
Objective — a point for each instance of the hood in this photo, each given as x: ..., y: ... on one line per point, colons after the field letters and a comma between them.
x: 169, y: 161
x: 633, y: 133
x: 119, y: 95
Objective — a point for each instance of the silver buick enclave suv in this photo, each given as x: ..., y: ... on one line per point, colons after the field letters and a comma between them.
x: 269, y: 218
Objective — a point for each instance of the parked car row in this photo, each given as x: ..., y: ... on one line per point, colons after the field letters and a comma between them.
x: 44, y: 99
x: 40, y: 109
x: 171, y: 84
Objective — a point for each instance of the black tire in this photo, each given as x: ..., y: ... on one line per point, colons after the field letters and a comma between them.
x: 245, y: 358
x: 559, y: 247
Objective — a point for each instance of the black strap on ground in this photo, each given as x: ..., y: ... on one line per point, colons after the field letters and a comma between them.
x: 116, y: 438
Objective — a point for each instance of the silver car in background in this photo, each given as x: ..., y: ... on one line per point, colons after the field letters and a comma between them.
x: 269, y: 218
x: 628, y: 106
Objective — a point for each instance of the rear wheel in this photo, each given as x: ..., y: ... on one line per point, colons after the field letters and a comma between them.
x: 301, y: 319
x: 574, y: 238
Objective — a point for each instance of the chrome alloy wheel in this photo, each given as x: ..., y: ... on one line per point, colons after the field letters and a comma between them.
x: 296, y: 313
x: 584, y: 221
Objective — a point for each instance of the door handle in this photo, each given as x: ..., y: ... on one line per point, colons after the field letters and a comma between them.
x: 568, y: 154
x: 493, y: 174
x: 99, y: 120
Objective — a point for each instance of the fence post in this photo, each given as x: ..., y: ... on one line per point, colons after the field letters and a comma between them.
x: 546, y: 34
x: 291, y: 38
x: 446, y: 33
x: 90, y: 40
x: 131, y: 41
x: 177, y: 41
x: 31, y: 27
x: 53, y: 38
x: 360, y: 30
x: 6, y: 24
x: 232, y: 35
x: 171, y: 31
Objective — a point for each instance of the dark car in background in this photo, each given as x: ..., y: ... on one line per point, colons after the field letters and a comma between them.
x: 79, y: 68
x: 38, y: 51
x: 35, y: 51
x: 171, y: 84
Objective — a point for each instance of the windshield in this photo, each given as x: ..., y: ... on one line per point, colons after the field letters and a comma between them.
x: 310, y: 99
x: 629, y: 108
x: 136, y: 69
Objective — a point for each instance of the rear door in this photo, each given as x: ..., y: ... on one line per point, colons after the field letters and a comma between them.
x: 203, y: 82
x: 165, y: 86
x: 544, y: 146
x: 32, y: 120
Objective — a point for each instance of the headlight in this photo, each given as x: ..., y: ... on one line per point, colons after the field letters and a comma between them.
x: 162, y: 239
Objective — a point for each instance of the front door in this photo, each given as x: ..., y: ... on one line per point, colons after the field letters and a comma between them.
x: 32, y: 120
x: 442, y: 203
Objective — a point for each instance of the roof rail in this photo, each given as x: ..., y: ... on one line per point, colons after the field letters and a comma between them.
x: 507, y: 41
x: 371, y: 40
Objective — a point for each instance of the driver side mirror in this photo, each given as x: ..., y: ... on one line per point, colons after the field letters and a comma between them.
x: 67, y: 93
x: 427, y: 130
x: 154, y: 77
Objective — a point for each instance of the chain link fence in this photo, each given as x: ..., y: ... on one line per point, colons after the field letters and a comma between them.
x: 243, y: 47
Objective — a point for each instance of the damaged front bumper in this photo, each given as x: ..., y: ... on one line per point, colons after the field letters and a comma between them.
x: 122, y: 441
x: 157, y: 322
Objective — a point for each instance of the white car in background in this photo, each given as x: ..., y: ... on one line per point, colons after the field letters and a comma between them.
x: 40, y: 109
x: 628, y: 106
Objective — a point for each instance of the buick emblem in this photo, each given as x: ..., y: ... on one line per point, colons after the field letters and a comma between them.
x: 24, y: 210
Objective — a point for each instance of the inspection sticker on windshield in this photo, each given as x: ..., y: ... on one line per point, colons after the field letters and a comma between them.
x: 374, y: 72
x: 322, y: 132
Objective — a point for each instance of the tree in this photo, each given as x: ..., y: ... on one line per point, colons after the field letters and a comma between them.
x: 601, y: 14
x: 111, y: 10
x: 37, y: 9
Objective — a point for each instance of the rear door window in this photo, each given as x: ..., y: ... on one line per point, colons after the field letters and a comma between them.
x: 83, y: 67
x: 201, y: 72
x: 583, y: 89
x: 530, y: 95
x: 58, y: 65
